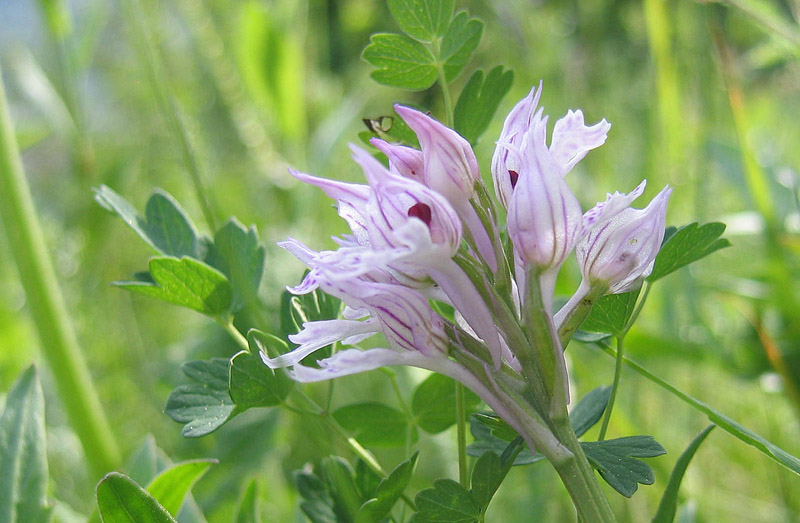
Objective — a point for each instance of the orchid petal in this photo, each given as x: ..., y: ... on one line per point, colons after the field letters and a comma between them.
x: 572, y: 139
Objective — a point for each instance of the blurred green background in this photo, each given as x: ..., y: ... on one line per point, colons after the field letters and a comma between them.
x: 702, y: 96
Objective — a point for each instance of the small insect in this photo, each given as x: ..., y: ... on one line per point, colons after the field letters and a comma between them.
x: 380, y: 125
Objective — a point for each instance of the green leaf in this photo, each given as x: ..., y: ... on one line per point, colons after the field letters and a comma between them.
x: 490, y: 470
x: 669, y: 501
x: 249, y: 510
x: 486, y: 441
x: 589, y: 410
x: 171, y: 486
x: 479, y: 101
x: 424, y: 20
x: 238, y: 253
x: 340, y: 482
x: 401, y: 62
x: 434, y: 403
x: 688, y: 244
x: 121, y: 500
x: 188, y: 283
x: 165, y: 226
x: 23, y: 453
x: 389, y: 491
x: 616, y: 461
x: 317, y: 503
x: 498, y: 426
x: 253, y: 384
x: 203, y: 407
x: 611, y: 313
x: 375, y: 424
x: 446, y: 502
x: 459, y: 43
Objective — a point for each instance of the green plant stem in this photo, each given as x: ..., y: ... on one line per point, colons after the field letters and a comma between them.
x: 448, y: 101
x: 461, y: 415
x: 166, y: 102
x: 235, y: 334
x: 59, y: 343
x: 614, y: 388
x: 579, y: 477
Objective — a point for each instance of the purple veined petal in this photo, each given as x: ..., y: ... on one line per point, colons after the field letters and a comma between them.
x: 613, y: 205
x: 469, y: 303
x: 318, y: 334
x: 451, y: 167
x: 396, y: 201
x: 405, y: 161
x: 544, y: 216
x: 572, y: 139
x: 505, y: 166
x: 353, y: 193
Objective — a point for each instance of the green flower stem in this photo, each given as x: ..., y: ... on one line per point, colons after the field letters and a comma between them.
x: 461, y: 416
x: 546, y: 353
x: 59, y: 343
x: 169, y: 108
x: 576, y: 310
x: 619, y: 360
x: 579, y: 477
x: 235, y: 334
x: 448, y: 101
x: 614, y: 388
x: 556, y: 440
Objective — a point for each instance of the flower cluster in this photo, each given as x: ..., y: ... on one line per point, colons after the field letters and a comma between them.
x: 425, y: 230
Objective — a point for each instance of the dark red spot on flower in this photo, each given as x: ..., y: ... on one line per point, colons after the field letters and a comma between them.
x: 514, y: 175
x: 421, y: 211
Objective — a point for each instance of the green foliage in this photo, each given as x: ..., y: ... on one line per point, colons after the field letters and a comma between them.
x: 479, y: 101
x: 204, y: 406
x: 589, y: 410
x: 425, y: 20
x: 387, y: 493
x: 434, y: 403
x: 237, y: 252
x: 165, y: 226
x: 172, y: 485
x: 611, y: 313
x: 668, y: 506
x: 616, y: 461
x: 487, y: 441
x: 437, y: 43
x: 401, y: 62
x: 121, y: 500
x: 458, y: 44
x: 375, y: 424
x: 317, y: 503
x: 446, y: 502
x: 688, y: 244
x: 23, y: 453
x: 490, y: 470
x: 248, y: 510
x: 186, y: 282
x: 253, y: 384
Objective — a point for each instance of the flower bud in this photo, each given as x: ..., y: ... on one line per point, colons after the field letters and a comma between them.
x: 544, y: 216
x: 621, y: 243
x: 450, y: 166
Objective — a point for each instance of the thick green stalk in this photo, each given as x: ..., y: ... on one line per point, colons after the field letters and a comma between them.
x: 46, y: 303
x: 579, y: 478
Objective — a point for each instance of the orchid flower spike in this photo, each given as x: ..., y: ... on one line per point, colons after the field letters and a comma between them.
x: 621, y: 243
